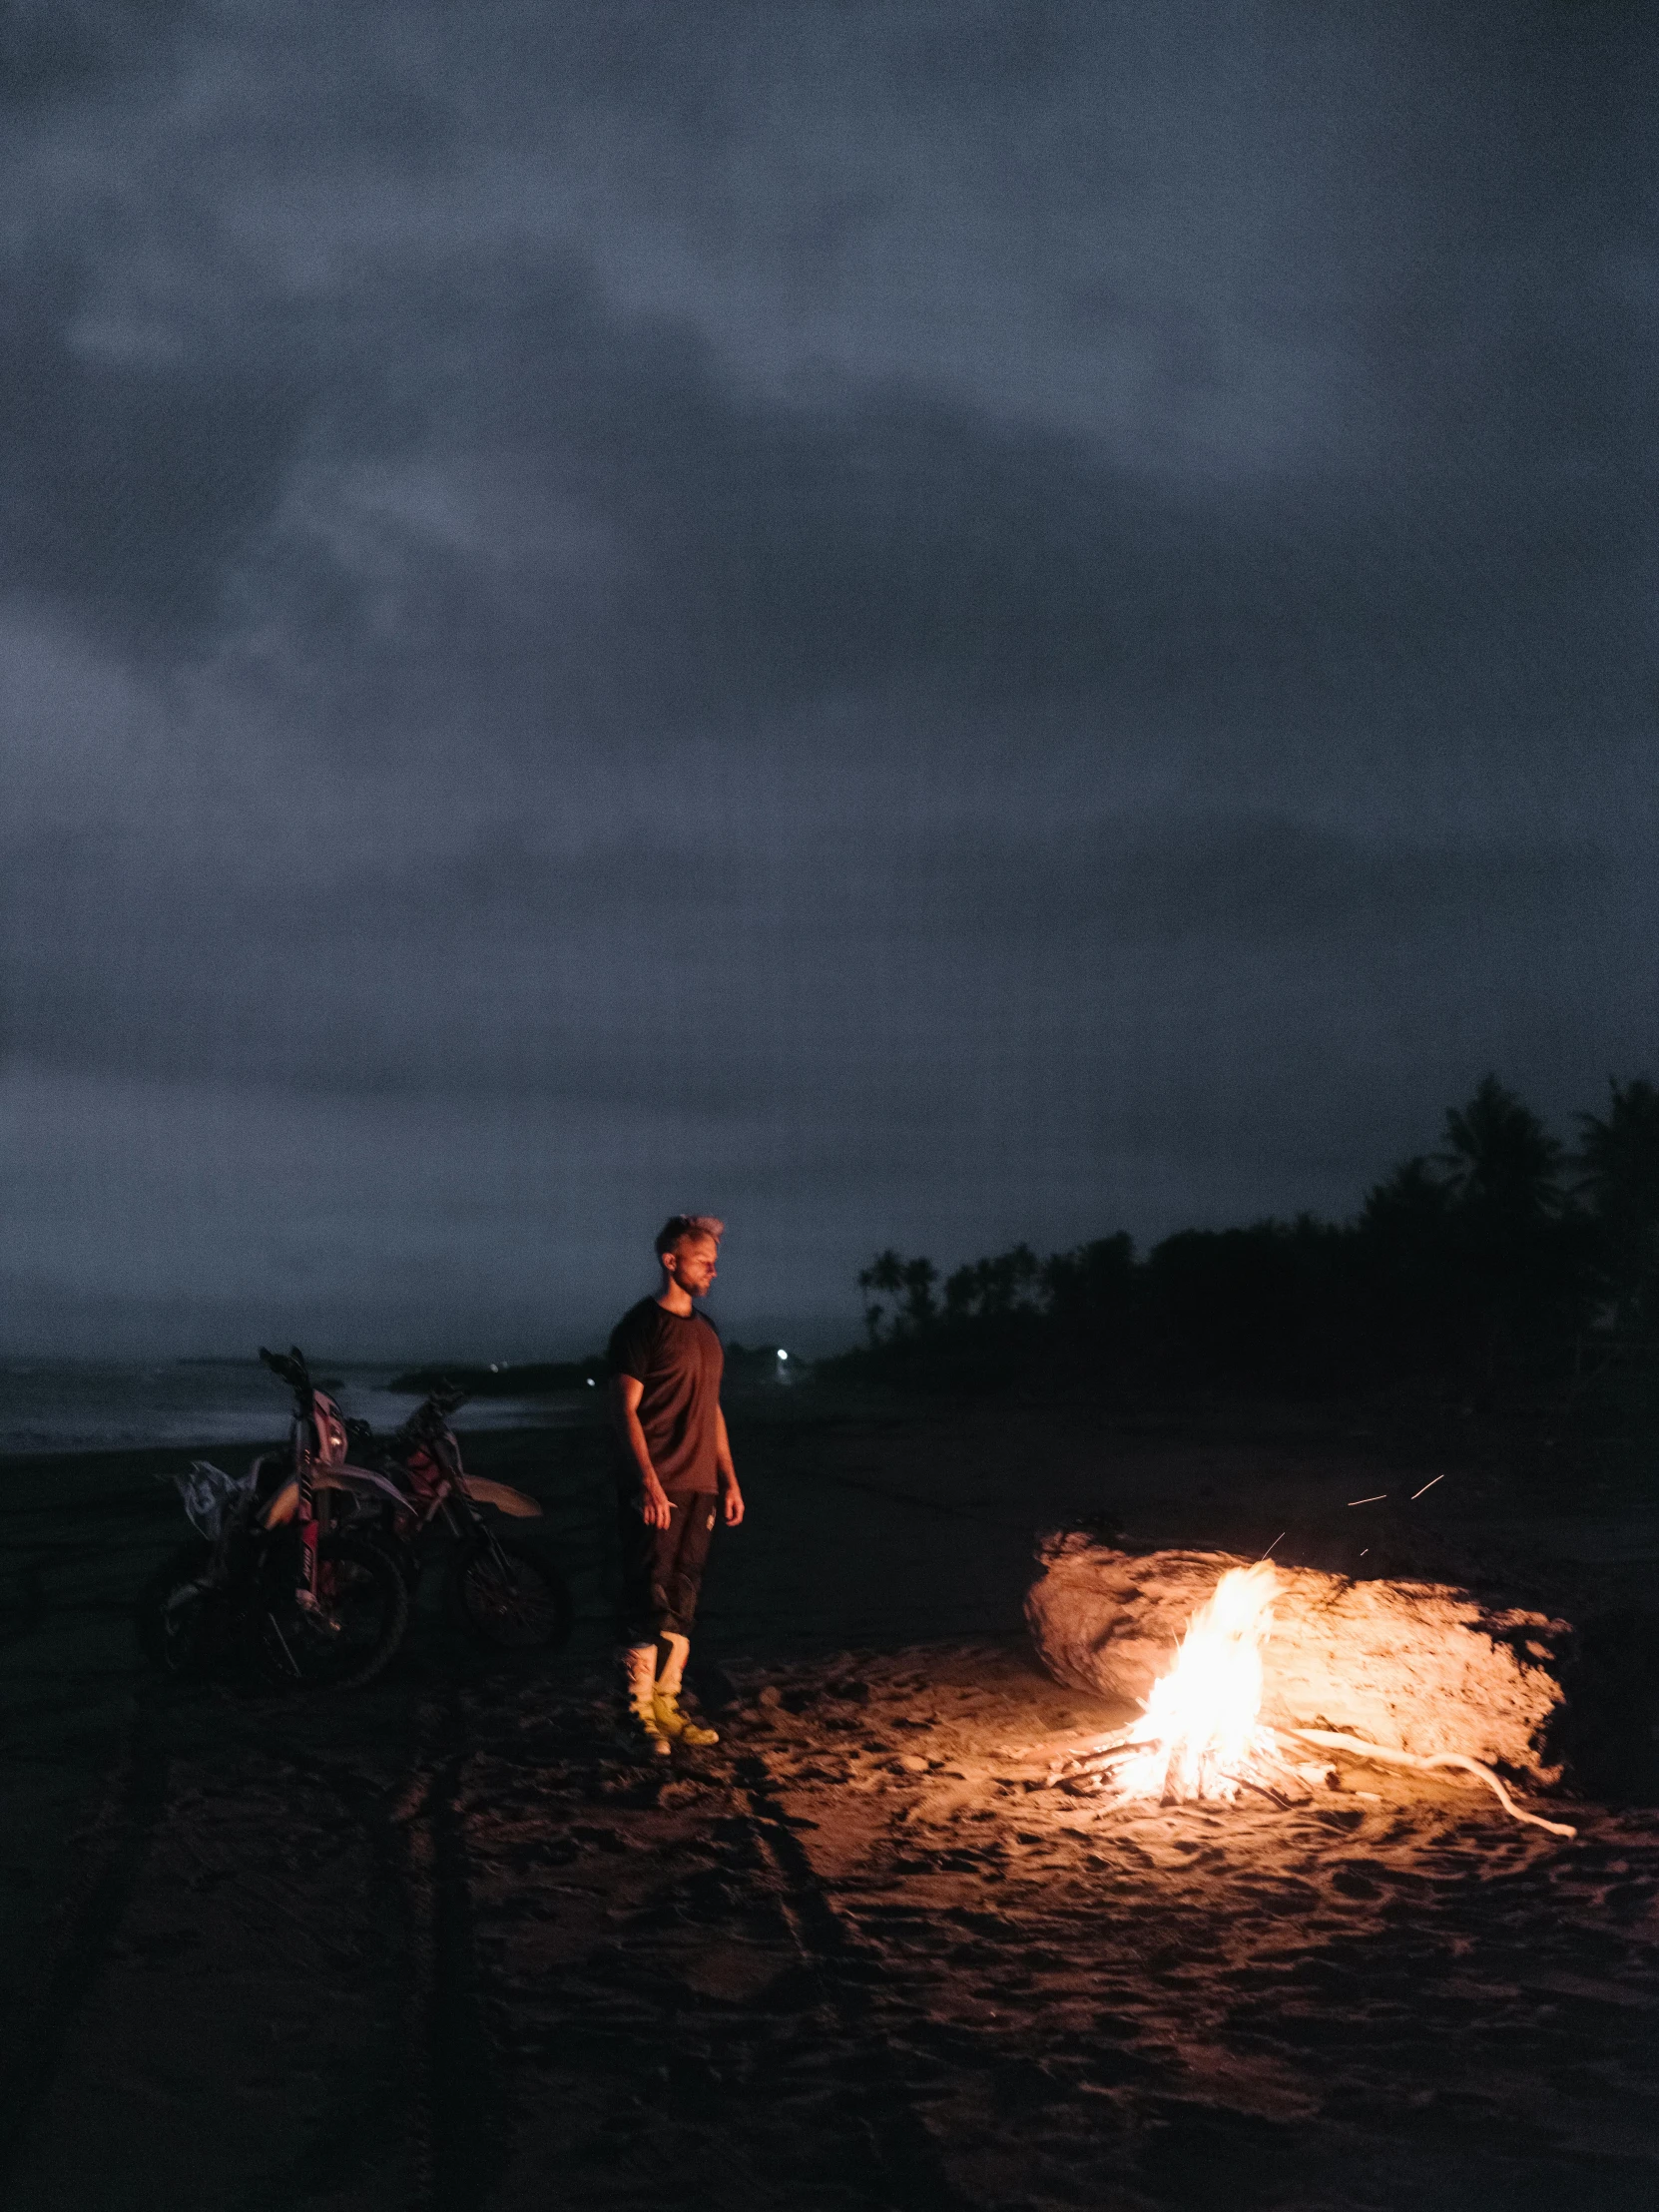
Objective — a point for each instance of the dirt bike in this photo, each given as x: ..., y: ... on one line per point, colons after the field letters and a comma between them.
x: 284, y: 1566
x: 497, y: 1589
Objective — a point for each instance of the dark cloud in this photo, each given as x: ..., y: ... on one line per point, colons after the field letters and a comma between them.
x: 977, y: 619
x: 650, y: 544
x: 132, y: 488
x: 1262, y: 883
x: 730, y: 549
x: 710, y: 560
x: 53, y: 50
x: 515, y: 968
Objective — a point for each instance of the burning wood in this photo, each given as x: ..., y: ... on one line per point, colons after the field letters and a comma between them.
x: 1202, y: 1736
x: 1418, y: 1667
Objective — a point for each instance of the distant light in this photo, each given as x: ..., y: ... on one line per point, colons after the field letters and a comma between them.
x: 590, y: 1382
x: 783, y: 1354
x: 494, y: 1370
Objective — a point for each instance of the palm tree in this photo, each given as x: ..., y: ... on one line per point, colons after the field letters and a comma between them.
x: 887, y: 1273
x: 1411, y: 1204
x: 1410, y: 1256
x: 997, y: 1284
x: 1618, y: 1163
x: 1502, y: 1165
x: 1522, y: 1244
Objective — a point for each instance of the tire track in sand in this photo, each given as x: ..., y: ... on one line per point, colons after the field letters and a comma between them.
x: 114, y: 1850
x: 460, y: 2145
x: 902, y: 2149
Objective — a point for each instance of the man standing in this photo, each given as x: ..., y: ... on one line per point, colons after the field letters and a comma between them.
x: 666, y: 1362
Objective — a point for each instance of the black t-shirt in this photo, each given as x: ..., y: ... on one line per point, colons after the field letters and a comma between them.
x: 679, y: 1360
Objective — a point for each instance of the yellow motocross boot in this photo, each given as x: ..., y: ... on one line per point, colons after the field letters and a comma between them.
x: 678, y: 1726
x: 642, y: 1731
x: 638, y: 1730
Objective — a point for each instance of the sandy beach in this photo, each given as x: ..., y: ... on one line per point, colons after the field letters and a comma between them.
x: 434, y: 1945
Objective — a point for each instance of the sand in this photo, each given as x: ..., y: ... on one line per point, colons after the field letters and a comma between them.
x: 437, y: 1944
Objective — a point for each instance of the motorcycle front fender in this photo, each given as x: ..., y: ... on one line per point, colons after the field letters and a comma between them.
x: 284, y: 1503
x: 360, y: 1482
x: 501, y: 1495
x: 364, y: 1482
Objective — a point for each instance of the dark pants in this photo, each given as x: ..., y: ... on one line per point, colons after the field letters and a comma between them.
x: 661, y: 1569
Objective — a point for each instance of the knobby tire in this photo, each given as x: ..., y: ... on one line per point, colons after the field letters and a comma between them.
x: 177, y: 1630
x: 505, y: 1594
x: 293, y: 1652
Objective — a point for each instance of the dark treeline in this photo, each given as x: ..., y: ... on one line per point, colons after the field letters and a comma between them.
x: 1502, y: 1264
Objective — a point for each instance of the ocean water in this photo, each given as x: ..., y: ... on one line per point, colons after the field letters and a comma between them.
x: 85, y: 1406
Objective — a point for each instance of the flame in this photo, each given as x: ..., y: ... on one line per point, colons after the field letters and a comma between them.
x: 1200, y: 1734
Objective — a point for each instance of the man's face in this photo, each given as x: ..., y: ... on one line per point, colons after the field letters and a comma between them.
x: 692, y: 1263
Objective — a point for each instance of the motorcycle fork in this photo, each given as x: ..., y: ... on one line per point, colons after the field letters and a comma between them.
x: 478, y: 1527
x: 465, y: 1521
x: 307, y: 1590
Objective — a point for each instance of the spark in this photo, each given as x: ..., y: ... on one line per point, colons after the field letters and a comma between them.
x: 1277, y: 1541
x: 1429, y: 1485
x: 1368, y: 1500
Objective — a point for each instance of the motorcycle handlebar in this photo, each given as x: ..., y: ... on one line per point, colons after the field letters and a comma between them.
x: 291, y: 1368
x: 433, y: 1413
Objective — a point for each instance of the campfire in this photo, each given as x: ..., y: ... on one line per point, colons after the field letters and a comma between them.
x: 1201, y: 1736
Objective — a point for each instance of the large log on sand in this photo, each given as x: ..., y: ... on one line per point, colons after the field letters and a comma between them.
x: 1414, y: 1666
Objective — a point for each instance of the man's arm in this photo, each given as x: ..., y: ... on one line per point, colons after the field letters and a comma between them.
x: 731, y: 1495
x: 626, y: 1392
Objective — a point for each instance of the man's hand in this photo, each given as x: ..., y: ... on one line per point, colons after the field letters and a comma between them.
x: 626, y: 1392
x: 725, y: 1473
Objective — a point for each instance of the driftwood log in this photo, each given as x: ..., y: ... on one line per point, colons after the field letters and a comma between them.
x: 1418, y: 1667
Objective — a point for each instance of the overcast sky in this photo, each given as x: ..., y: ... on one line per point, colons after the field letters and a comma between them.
x: 920, y: 624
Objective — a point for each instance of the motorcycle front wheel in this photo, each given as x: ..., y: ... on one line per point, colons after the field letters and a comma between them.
x: 181, y: 1618
x: 348, y: 1636
x: 504, y: 1594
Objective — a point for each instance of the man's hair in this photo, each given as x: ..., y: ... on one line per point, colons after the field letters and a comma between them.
x: 679, y: 1227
